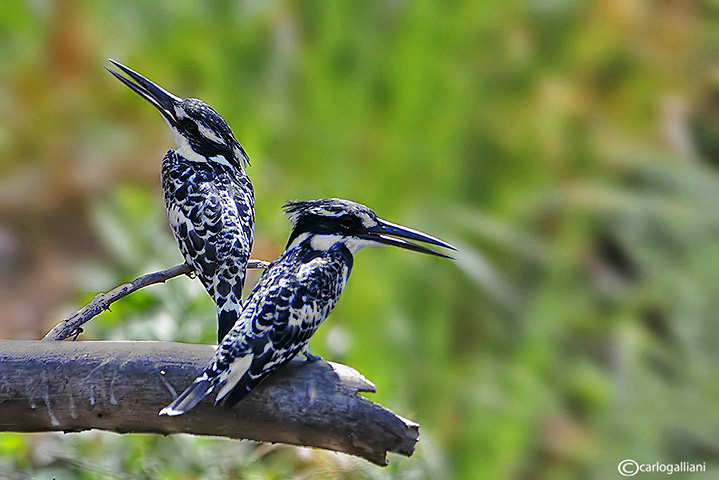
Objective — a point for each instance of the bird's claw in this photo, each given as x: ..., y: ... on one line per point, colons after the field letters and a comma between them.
x: 76, y: 333
x: 309, y: 357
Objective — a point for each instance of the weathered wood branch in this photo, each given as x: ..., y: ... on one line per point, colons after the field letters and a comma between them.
x: 102, y: 301
x: 121, y: 387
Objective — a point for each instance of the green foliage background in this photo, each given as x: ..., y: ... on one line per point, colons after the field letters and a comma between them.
x: 569, y: 150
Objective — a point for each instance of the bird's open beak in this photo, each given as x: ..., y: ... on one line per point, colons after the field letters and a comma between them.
x: 163, y: 100
x: 386, y: 233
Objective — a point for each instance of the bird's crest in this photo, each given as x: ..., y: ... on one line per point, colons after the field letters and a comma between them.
x: 327, y: 208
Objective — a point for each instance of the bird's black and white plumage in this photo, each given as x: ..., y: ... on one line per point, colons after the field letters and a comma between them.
x: 294, y: 296
x: 208, y: 197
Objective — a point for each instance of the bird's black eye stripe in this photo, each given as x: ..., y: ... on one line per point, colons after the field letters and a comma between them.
x: 189, y: 125
x: 348, y: 221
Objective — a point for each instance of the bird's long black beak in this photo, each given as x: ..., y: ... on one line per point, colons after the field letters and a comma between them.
x: 386, y: 233
x: 163, y: 100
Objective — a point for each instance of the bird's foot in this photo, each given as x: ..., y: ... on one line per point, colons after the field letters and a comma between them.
x: 309, y: 357
x: 76, y: 333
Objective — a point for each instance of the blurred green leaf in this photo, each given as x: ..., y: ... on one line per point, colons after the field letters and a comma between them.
x: 563, y: 146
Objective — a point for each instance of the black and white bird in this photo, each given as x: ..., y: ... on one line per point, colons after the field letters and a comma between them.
x: 295, y: 295
x: 208, y: 196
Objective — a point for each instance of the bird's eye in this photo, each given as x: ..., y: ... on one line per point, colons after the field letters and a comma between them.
x: 347, y: 221
x: 189, y: 125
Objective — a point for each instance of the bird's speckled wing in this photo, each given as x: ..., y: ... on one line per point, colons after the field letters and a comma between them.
x: 211, y: 214
x: 285, y: 308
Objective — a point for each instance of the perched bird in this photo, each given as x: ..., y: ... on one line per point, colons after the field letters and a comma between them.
x: 208, y: 196
x: 295, y: 295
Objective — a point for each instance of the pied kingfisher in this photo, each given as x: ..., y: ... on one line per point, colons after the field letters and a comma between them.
x: 295, y: 295
x: 208, y: 196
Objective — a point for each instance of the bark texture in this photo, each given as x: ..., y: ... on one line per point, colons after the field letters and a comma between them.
x: 121, y: 387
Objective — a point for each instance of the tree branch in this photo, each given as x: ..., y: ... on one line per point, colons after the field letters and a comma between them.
x: 121, y: 387
x: 102, y: 301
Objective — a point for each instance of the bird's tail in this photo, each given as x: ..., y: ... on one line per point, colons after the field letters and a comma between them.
x: 236, y: 394
x: 187, y: 400
x: 226, y: 318
x: 229, y: 305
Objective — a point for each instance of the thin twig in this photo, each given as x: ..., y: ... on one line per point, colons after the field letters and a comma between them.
x: 102, y: 301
